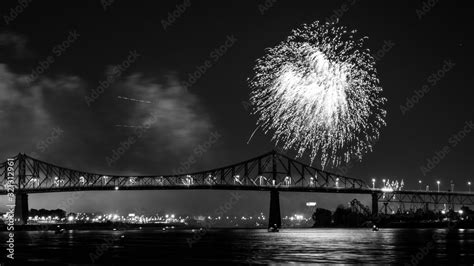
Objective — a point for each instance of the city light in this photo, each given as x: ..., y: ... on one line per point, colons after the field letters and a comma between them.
x: 469, y: 185
x: 237, y: 179
x: 310, y: 204
x: 390, y: 186
x: 419, y: 182
x: 460, y: 212
x: 373, y: 183
x: 116, y: 188
x: 438, y: 182
x: 171, y: 219
x: 387, y: 189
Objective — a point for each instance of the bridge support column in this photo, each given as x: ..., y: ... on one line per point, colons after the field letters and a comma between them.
x: 21, y: 208
x: 274, y: 217
x: 375, y: 204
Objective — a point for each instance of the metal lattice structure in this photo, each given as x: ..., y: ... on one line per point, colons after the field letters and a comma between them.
x: 413, y: 200
x: 270, y: 171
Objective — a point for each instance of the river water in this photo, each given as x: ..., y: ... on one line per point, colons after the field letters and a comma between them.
x: 244, y: 246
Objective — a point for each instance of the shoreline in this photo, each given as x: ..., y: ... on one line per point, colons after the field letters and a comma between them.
x: 164, y: 227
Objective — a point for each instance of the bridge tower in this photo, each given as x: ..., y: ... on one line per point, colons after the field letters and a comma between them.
x: 21, y: 198
x: 375, y: 204
x: 21, y: 208
x: 275, y: 216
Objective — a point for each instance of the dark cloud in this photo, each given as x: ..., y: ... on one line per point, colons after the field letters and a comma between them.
x: 31, y: 114
x: 13, y: 45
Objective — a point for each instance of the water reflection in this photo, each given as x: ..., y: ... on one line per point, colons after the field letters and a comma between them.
x: 246, y: 246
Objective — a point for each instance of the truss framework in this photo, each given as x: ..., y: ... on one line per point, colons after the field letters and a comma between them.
x: 266, y: 172
x: 413, y: 200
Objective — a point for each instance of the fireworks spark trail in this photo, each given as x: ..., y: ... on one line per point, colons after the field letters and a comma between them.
x: 130, y: 126
x: 133, y: 100
x: 318, y: 92
x: 251, y: 136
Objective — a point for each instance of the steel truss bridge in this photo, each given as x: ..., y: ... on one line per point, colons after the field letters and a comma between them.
x: 271, y: 171
x: 416, y: 199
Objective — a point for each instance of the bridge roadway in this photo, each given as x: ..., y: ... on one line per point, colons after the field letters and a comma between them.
x: 271, y: 171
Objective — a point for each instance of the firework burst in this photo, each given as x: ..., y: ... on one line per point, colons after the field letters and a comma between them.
x: 318, y: 91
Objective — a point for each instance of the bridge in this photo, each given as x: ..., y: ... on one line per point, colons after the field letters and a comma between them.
x: 272, y: 171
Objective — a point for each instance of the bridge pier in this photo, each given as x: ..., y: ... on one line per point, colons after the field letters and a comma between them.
x: 375, y: 204
x: 21, y: 208
x: 275, y: 216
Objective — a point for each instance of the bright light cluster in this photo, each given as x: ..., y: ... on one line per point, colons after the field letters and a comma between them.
x: 318, y: 91
x: 394, y: 185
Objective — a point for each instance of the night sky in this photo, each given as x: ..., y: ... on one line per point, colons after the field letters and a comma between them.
x: 156, y: 58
